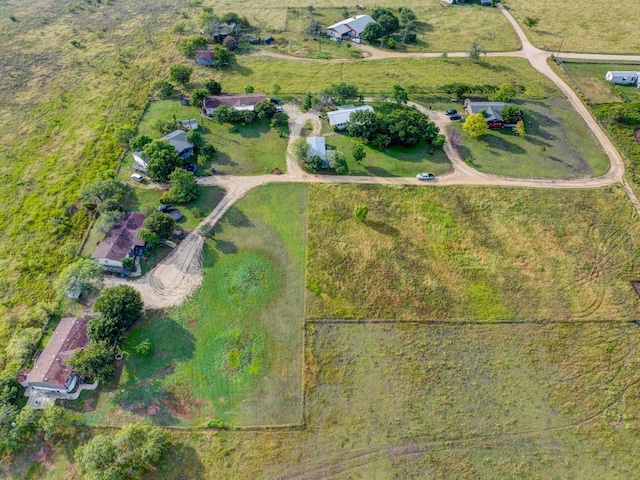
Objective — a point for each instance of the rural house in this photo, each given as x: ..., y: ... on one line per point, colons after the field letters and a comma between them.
x: 492, y: 112
x: 178, y: 140
x: 140, y: 160
x: 205, y: 57
x: 241, y: 101
x: 623, y: 77
x: 50, y: 371
x: 338, y: 119
x: 222, y: 31
x: 350, y: 28
x: 318, y: 148
x: 120, y: 242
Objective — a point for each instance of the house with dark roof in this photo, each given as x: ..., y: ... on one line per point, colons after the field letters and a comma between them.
x: 491, y: 110
x: 50, y: 371
x: 351, y: 27
x: 178, y: 140
x: 120, y: 242
x: 205, y: 57
x: 240, y: 101
x: 222, y: 31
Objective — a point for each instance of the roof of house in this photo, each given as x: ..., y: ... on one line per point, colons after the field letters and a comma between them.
x: 205, y: 54
x: 356, y: 24
x: 492, y: 109
x: 342, y: 115
x: 234, y: 100
x: 191, y: 124
x: 50, y: 367
x: 178, y: 140
x: 317, y: 147
x: 622, y: 73
x: 118, y: 241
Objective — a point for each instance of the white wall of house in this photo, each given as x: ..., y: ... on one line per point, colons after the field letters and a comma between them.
x: 107, y: 262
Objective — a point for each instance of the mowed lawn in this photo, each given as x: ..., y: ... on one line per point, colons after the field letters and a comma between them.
x: 589, y: 26
x: 590, y: 78
x: 240, y: 150
x: 472, y: 253
x: 233, y: 353
x: 558, y: 144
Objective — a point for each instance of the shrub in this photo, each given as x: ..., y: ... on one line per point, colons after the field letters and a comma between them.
x: 360, y: 212
x: 143, y: 348
x: 212, y: 86
x: 163, y: 88
x: 122, y: 303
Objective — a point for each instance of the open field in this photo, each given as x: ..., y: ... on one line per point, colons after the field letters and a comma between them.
x: 233, y: 352
x: 472, y: 253
x: 557, y: 144
x: 418, y: 75
x: 589, y: 76
x: 240, y: 150
x: 591, y: 26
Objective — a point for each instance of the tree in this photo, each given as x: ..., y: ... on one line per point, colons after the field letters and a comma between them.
x: 408, y: 126
x: 163, y: 88
x: 439, y: 141
x: 124, y: 134
x: 357, y: 152
x: 408, y: 35
x: 314, y: 162
x: 246, y: 116
x: 184, y: 188
x: 531, y: 22
x: 107, y: 220
x: 105, y: 329
x: 180, y: 73
x: 223, y: 114
x: 378, y: 12
x: 389, y: 23
x: 510, y: 113
x: 128, y: 454
x: 476, y: 125
x: 223, y: 57
x: 195, y: 137
x: 55, y: 422
x: 300, y: 149
x: 400, y: 95
x: 233, y: 17
x: 198, y: 95
x: 80, y: 278
x: 474, y: 51
x: 104, y: 188
x: 248, y: 88
x: 280, y: 121
x: 265, y: 110
x: 151, y: 239
x: 363, y: 124
x: 360, y: 212
x: 372, y: 32
x: 391, y: 43
x: 505, y: 93
x: 344, y: 91
x: 213, y: 86
x: 275, y: 89
x: 407, y: 15
x: 122, y: 302
x: 230, y: 43
x: 313, y: 28
x: 94, y: 361
x: 138, y: 143
x: 190, y: 45
x: 307, y: 102
x: 519, y: 128
x: 163, y: 159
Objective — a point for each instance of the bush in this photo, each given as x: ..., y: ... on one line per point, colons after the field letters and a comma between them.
x: 300, y: 149
x: 143, y: 348
x: 122, y: 303
x: 163, y: 88
x: 212, y: 86
x: 360, y: 212
x: 180, y: 73
x: 189, y: 46
x: 129, y: 263
x: 198, y: 95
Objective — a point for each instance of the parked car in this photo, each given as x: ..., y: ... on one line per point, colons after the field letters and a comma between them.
x: 453, y: 111
x: 190, y: 167
x: 425, y: 176
x: 213, y: 170
x: 268, y: 39
x: 356, y: 40
x: 456, y: 117
x: 137, y: 177
x: 277, y: 101
x: 254, y: 40
x: 166, y: 208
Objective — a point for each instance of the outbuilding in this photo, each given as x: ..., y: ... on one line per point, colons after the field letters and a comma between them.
x: 352, y: 27
x: 622, y: 77
x: 338, y: 119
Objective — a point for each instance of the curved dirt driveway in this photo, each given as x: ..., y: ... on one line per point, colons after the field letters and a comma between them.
x: 179, y: 275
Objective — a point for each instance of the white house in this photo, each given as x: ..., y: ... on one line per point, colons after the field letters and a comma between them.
x: 350, y: 28
x: 140, y: 160
x: 318, y: 147
x: 338, y: 119
x: 621, y: 77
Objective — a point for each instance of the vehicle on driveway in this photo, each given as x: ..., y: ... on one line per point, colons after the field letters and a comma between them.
x: 213, y: 170
x: 277, y: 101
x: 453, y: 111
x: 190, y: 167
x: 456, y: 117
x: 166, y: 208
x: 425, y: 176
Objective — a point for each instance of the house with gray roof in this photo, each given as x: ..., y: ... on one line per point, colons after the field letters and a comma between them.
x: 492, y: 112
x: 178, y: 140
x: 623, y: 77
x: 317, y: 147
x: 351, y: 27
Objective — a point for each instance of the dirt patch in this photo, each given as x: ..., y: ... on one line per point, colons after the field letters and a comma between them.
x: 153, y: 409
x: 44, y: 456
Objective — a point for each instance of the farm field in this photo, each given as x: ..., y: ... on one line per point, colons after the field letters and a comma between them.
x: 591, y: 26
x: 463, y: 253
x: 232, y: 354
x: 557, y: 144
x: 590, y: 78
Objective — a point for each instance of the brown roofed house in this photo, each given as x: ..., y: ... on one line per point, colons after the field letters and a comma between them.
x: 119, y: 242
x: 50, y: 371
x: 205, y: 57
x: 240, y: 101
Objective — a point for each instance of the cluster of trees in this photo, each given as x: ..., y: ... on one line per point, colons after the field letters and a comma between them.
x: 105, y: 195
x: 157, y: 226
x: 387, y: 23
x: 264, y: 110
x: 403, y: 126
x: 507, y: 91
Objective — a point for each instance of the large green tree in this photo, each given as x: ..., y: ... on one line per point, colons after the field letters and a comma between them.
x: 505, y: 93
x: 163, y: 159
x: 476, y: 125
x: 189, y: 46
x: 105, y: 329
x: 265, y: 110
x: 363, y: 124
x: 343, y: 91
x: 180, y: 73
x: 213, y: 86
x: 160, y: 223
x: 372, y: 32
x: 95, y: 361
x: 184, y: 188
x: 408, y: 126
x: 80, y: 278
x: 400, y: 95
x: 122, y: 302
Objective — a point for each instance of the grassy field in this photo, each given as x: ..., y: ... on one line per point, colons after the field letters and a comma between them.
x: 590, y: 26
x: 589, y: 76
x: 471, y: 253
x: 240, y: 150
x: 557, y: 144
x: 233, y: 352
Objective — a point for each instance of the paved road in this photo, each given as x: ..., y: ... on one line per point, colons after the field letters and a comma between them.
x: 180, y: 274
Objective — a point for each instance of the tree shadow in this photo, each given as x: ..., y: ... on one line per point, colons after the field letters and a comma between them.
x: 222, y: 158
x: 226, y: 246
x: 379, y: 172
x: 180, y: 461
x: 383, y: 228
x: 500, y: 141
x: 236, y: 218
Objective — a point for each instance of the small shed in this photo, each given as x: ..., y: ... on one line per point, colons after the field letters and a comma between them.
x: 622, y: 77
x: 205, y: 57
x: 191, y: 124
x: 318, y: 147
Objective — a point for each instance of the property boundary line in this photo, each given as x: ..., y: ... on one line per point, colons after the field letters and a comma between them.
x: 391, y: 321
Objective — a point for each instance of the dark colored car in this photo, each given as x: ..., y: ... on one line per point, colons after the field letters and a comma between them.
x: 166, y: 208
x: 190, y: 167
x: 455, y: 117
x: 268, y: 40
x: 453, y: 111
x: 213, y: 170
x: 277, y: 101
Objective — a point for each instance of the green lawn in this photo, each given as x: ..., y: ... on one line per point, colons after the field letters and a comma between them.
x: 233, y: 352
x: 472, y: 253
x: 557, y: 144
x: 592, y: 26
x: 589, y: 76
x: 240, y: 150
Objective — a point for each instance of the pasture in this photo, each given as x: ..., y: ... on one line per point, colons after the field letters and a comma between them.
x: 589, y: 77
